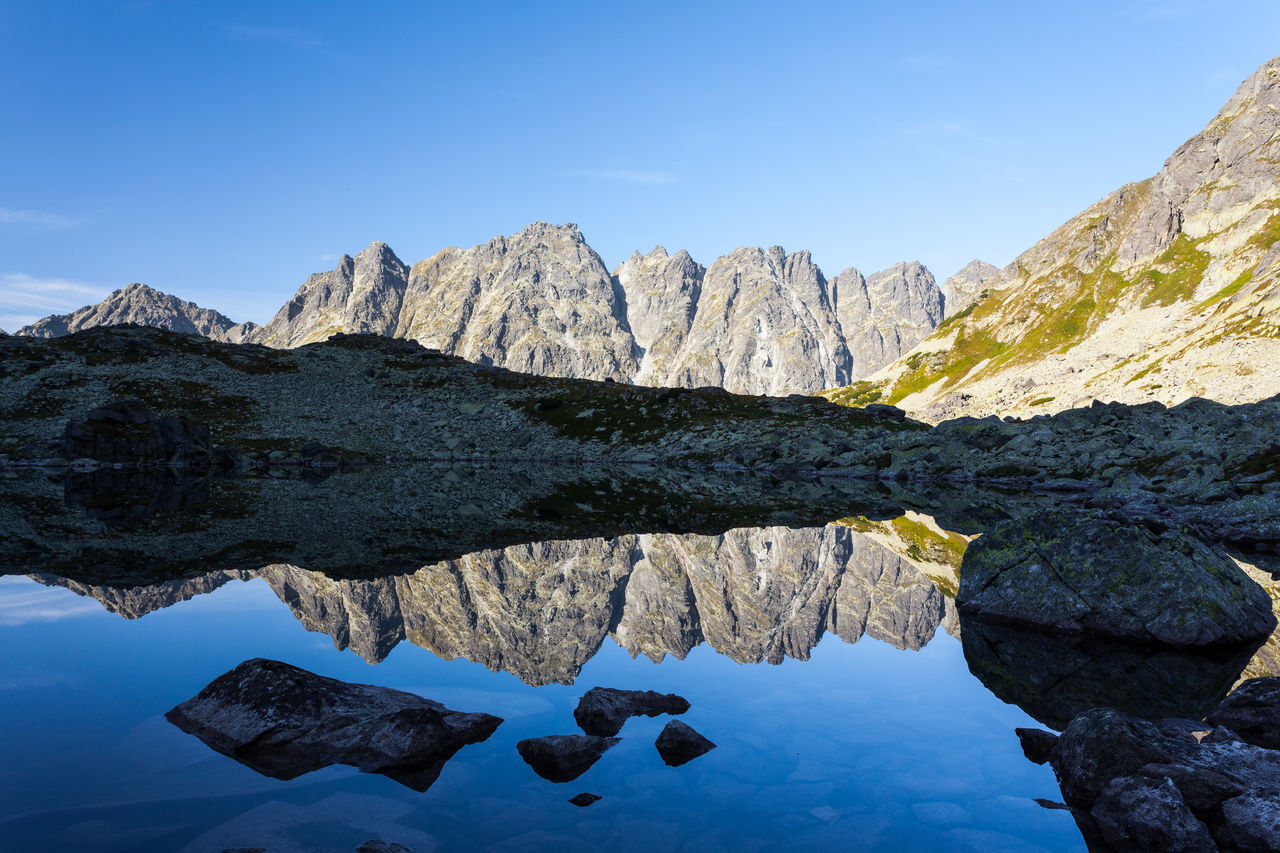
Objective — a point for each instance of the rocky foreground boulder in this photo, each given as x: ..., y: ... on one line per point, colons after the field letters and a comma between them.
x: 1176, y: 784
x: 563, y: 758
x: 284, y: 721
x: 1070, y: 571
x: 602, y: 710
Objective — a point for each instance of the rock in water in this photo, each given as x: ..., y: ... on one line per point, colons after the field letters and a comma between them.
x: 603, y: 710
x: 584, y: 799
x: 1068, y: 571
x: 679, y: 743
x: 1037, y: 744
x: 283, y: 721
x: 563, y: 758
x: 1252, y: 712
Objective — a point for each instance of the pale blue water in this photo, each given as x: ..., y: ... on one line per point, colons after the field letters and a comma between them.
x: 861, y: 747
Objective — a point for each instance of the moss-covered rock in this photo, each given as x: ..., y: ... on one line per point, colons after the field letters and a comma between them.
x: 1069, y: 571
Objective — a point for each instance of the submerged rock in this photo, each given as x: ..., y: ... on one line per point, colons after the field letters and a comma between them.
x: 584, y: 799
x: 679, y: 743
x: 603, y: 710
x: 1068, y: 571
x: 563, y: 758
x: 1054, y: 678
x: 283, y: 721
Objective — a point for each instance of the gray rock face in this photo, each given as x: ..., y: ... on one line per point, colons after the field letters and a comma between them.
x: 540, y: 302
x: 603, y: 710
x: 963, y: 289
x: 662, y: 295
x: 283, y: 721
x: 765, y: 324
x: 886, y: 314
x: 1072, y: 572
x: 563, y: 758
x: 361, y: 295
x: 678, y: 743
x: 144, y: 306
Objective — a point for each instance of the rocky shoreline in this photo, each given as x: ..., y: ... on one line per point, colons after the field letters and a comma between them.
x: 358, y: 399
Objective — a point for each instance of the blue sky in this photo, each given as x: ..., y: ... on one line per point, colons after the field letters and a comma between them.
x: 223, y: 151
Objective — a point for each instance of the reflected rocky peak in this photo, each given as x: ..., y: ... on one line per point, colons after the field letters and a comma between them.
x: 542, y: 610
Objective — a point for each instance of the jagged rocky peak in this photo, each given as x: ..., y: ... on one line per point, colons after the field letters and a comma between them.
x: 360, y: 295
x: 540, y: 301
x: 764, y: 324
x: 965, y: 287
x: 136, y: 303
x: 662, y: 293
x: 886, y: 314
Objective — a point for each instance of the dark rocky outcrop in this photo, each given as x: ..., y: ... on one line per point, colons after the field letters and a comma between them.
x: 1252, y: 712
x: 129, y: 432
x: 1174, y: 785
x: 603, y: 710
x: 584, y: 799
x: 679, y: 743
x: 1068, y: 571
x: 283, y: 721
x: 563, y: 758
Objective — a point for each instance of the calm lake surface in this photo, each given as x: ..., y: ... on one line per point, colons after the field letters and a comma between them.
x: 824, y: 661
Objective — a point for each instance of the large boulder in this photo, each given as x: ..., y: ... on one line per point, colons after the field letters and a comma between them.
x: 126, y: 431
x: 1252, y: 712
x: 284, y: 721
x: 1069, y: 571
x: 602, y: 710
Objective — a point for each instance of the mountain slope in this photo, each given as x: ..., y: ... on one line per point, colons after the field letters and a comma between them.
x: 1166, y: 289
x: 145, y: 306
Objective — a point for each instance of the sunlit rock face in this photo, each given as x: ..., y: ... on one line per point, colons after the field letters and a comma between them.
x: 541, y: 611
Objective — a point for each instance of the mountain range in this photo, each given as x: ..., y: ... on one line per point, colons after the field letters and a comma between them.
x: 1167, y: 288
x: 542, y: 301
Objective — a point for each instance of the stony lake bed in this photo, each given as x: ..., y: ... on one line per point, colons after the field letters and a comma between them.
x: 791, y: 569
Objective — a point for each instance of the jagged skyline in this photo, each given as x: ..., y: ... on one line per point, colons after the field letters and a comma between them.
x: 223, y: 153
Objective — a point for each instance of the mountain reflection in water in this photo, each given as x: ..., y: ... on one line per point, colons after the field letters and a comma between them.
x: 540, y: 611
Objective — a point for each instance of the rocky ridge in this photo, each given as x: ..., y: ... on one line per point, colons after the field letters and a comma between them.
x: 144, y: 306
x: 1167, y: 289
x: 757, y: 321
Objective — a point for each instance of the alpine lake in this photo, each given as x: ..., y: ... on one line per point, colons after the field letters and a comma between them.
x: 810, y: 625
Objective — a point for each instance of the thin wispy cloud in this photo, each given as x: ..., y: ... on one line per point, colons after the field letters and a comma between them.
x: 626, y: 176
x: 276, y: 35
x: 10, y: 216
x: 26, y: 298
